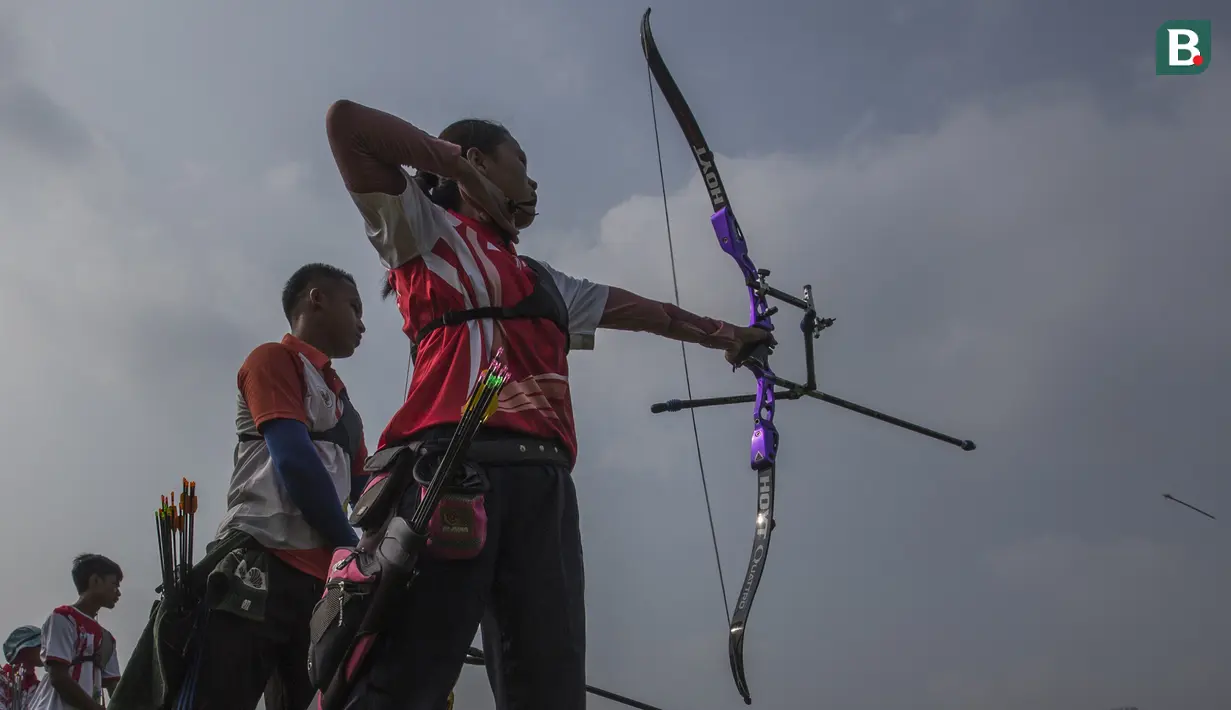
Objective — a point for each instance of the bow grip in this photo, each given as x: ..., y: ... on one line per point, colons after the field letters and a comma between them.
x: 755, y: 353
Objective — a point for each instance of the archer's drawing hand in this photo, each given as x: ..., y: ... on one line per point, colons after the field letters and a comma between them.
x: 748, y: 340
x: 486, y: 196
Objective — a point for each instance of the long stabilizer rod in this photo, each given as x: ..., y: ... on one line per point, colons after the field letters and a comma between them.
x: 474, y: 657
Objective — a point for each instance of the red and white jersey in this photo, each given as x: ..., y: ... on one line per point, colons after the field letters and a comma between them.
x: 73, y: 638
x: 442, y: 261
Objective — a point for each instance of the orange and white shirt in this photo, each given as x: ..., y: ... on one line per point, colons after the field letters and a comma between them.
x: 290, y: 380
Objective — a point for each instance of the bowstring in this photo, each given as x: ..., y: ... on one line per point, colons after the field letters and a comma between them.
x: 675, y: 282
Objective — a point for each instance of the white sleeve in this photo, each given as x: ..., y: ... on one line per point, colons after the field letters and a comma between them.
x: 585, y: 301
x: 402, y: 227
x: 112, y: 669
x: 59, y: 638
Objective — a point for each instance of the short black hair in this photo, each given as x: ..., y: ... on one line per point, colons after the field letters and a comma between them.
x: 467, y: 133
x: 88, y: 565
x: 306, y: 276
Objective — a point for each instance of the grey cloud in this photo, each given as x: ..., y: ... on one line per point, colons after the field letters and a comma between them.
x: 1004, y: 277
x: 32, y: 119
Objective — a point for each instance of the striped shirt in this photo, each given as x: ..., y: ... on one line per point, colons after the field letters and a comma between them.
x: 442, y: 261
x: 72, y: 638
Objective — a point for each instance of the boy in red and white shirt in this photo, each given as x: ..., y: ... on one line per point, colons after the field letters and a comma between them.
x: 78, y: 652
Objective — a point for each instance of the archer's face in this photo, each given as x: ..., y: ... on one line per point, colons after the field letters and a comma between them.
x: 507, y: 169
x: 340, y: 310
x: 106, y: 589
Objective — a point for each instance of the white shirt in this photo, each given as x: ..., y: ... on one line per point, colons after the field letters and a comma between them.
x: 71, y: 637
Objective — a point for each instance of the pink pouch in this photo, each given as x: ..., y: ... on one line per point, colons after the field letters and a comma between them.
x: 458, y: 528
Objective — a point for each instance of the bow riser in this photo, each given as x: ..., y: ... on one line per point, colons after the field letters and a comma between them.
x: 732, y: 241
x: 764, y: 433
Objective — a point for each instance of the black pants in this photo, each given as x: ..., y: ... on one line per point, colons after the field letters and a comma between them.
x: 241, y: 659
x: 527, y: 588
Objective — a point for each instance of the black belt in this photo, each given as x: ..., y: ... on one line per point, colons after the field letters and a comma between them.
x: 496, y: 447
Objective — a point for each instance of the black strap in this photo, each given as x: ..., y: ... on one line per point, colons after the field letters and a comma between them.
x: 499, y: 447
x: 98, y: 658
x: 544, y: 301
x: 343, y: 434
x: 336, y: 435
x: 469, y: 314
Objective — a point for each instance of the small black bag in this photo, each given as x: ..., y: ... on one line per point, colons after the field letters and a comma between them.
x: 389, y: 471
x: 336, y: 618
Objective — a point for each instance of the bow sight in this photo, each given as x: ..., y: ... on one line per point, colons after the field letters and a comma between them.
x: 811, y: 326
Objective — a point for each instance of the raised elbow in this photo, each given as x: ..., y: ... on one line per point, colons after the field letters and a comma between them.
x: 338, y: 117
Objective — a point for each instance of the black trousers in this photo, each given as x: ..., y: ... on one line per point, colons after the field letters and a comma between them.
x: 526, y: 587
x: 243, y: 660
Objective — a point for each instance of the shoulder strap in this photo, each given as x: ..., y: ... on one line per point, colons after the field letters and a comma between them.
x: 338, y: 434
x: 554, y: 302
x: 102, y: 655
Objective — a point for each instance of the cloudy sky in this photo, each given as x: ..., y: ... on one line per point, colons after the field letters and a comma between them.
x: 1016, y: 223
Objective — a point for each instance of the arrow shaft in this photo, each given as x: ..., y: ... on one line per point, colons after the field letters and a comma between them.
x: 1190, y: 507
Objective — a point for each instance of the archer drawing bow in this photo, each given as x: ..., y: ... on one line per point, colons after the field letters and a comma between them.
x: 770, y: 387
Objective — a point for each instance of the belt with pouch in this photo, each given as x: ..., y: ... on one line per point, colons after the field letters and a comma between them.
x: 398, y: 461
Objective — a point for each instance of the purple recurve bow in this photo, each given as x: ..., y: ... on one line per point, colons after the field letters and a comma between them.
x: 770, y: 387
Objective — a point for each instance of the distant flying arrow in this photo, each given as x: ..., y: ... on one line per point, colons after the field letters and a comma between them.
x: 1172, y: 498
